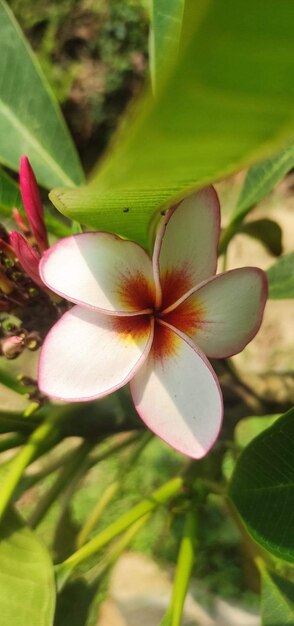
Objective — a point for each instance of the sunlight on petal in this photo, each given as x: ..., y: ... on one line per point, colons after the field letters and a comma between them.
x: 101, y: 271
x: 185, y: 251
x: 177, y: 395
x: 224, y: 314
x: 87, y: 355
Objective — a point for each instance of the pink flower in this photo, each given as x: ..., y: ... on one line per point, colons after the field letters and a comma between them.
x: 28, y: 255
x: 152, y: 323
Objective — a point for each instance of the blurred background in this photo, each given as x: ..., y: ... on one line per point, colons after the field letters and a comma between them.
x: 94, y: 54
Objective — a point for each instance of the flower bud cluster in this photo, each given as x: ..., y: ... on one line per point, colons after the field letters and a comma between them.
x: 27, y: 308
x: 26, y: 311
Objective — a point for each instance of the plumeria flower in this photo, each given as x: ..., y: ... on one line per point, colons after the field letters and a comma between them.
x: 152, y: 323
x: 28, y: 255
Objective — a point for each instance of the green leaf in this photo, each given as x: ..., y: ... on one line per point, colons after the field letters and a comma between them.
x: 165, y: 34
x: 281, y: 278
x: 261, y: 179
x: 277, y: 600
x: 27, y: 591
x: 268, y: 232
x: 30, y: 119
x: 262, y: 488
x: 226, y: 103
x: 249, y: 427
x: 9, y: 194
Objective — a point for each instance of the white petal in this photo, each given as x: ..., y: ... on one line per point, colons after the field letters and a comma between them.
x: 101, y: 271
x: 185, y: 251
x: 225, y: 313
x: 87, y: 355
x: 177, y: 394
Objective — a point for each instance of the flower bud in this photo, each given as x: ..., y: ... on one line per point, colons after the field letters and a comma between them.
x: 32, y: 203
x: 20, y: 222
x: 12, y: 346
x: 6, y: 249
x: 33, y: 341
x: 27, y: 256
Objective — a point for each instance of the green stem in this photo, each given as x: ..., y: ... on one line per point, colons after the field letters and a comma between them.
x: 186, y: 556
x: 229, y: 232
x: 11, y: 421
x: 66, y: 475
x: 96, y: 513
x: 10, y: 382
x: 12, y: 442
x: 27, y: 454
x: 116, y: 447
x: 225, y: 261
x: 226, y: 236
x: 111, y: 490
x: 117, y: 549
x: 160, y: 496
x: 31, y: 480
x: 185, y: 563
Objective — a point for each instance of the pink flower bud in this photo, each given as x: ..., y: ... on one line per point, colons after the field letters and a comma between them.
x: 32, y: 203
x: 21, y: 222
x: 27, y: 257
x: 11, y: 347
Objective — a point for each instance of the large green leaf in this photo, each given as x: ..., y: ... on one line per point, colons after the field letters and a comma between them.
x: 281, y: 278
x: 261, y: 179
x: 30, y: 119
x: 27, y: 590
x: 262, y: 487
x: 277, y: 600
x: 9, y: 194
x: 167, y: 16
x: 226, y: 103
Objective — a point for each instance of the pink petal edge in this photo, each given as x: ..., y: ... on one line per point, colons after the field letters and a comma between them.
x: 163, y: 223
x: 50, y: 251
x: 97, y: 396
x: 264, y: 295
x: 210, y: 368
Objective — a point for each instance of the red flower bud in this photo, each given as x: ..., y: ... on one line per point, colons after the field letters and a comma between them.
x: 21, y: 222
x: 27, y: 257
x: 32, y: 203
